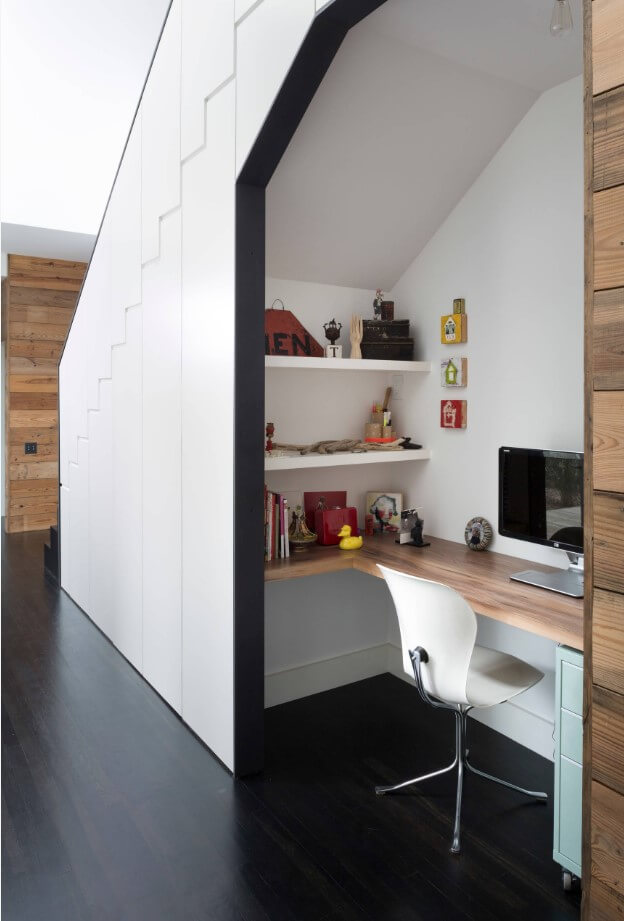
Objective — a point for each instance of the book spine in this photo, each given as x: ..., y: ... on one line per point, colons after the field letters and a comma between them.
x: 266, y: 524
x: 282, y: 529
x: 270, y: 514
x: 287, y: 545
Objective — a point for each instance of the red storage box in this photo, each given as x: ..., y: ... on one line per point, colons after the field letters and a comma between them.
x: 328, y: 522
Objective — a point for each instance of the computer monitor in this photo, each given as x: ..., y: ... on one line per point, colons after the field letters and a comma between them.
x: 541, y: 500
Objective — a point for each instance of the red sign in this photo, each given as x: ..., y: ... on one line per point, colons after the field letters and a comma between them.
x: 453, y: 414
x: 284, y: 335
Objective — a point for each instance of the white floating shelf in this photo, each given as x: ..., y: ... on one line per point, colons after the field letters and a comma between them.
x: 344, y: 364
x: 345, y: 459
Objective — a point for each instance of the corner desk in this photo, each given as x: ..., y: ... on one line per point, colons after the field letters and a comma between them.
x: 481, y: 577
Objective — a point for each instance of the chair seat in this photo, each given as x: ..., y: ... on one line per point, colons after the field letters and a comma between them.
x: 494, y: 677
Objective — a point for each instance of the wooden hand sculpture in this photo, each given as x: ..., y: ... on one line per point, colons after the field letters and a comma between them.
x: 357, y: 331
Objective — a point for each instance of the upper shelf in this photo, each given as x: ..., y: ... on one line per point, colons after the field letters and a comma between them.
x: 344, y: 364
x: 344, y: 459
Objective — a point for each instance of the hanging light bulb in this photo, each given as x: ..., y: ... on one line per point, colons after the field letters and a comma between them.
x: 561, y: 19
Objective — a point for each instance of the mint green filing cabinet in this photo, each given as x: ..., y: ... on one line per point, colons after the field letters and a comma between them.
x: 568, y: 762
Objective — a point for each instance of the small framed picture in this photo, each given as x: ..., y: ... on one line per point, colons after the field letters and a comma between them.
x: 385, y: 507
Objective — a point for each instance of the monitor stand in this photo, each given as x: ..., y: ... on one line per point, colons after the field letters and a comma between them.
x: 565, y: 581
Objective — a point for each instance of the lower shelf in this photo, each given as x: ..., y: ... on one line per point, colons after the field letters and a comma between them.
x: 345, y: 459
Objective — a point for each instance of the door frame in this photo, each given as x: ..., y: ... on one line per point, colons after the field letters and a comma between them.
x: 319, y: 47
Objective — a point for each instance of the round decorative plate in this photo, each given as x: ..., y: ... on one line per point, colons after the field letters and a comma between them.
x: 478, y: 533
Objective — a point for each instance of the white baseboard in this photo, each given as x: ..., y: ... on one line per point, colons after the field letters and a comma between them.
x: 511, y: 719
x: 323, y: 675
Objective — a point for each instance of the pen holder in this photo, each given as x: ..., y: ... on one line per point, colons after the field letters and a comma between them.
x: 373, y: 430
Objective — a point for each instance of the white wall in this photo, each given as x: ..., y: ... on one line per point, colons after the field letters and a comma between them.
x: 513, y: 247
x: 151, y: 354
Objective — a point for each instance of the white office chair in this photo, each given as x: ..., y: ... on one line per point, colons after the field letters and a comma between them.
x: 438, y: 631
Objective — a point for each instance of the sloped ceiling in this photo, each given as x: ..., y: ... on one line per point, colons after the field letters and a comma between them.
x: 417, y: 101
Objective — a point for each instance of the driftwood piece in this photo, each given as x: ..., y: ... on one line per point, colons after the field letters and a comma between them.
x: 354, y: 446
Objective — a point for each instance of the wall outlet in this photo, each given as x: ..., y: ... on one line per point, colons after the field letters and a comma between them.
x: 30, y: 447
x: 396, y: 382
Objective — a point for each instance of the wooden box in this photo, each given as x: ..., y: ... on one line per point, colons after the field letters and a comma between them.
x: 389, y: 349
x: 378, y: 330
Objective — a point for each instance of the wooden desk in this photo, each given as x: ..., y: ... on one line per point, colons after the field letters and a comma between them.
x: 482, y: 578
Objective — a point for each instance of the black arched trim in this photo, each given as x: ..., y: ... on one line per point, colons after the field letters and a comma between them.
x: 318, y: 50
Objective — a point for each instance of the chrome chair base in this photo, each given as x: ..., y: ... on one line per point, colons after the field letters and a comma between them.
x: 460, y: 760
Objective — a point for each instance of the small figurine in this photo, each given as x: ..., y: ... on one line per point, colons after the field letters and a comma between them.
x: 270, y: 431
x: 369, y: 525
x: 332, y: 331
x: 299, y: 534
x: 377, y: 304
x: 417, y: 532
x: 356, y: 334
x: 348, y: 542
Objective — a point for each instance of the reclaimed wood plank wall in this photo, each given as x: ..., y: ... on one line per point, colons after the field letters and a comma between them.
x: 603, y: 795
x: 39, y: 300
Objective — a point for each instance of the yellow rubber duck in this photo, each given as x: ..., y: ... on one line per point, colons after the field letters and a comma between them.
x: 348, y: 542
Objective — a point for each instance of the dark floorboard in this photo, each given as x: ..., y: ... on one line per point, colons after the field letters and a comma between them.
x: 114, y: 811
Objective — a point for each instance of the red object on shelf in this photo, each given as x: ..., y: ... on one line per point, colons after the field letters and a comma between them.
x: 320, y: 501
x: 380, y: 441
x: 285, y: 335
x: 328, y: 522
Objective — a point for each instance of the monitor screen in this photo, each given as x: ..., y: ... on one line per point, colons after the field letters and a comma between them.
x: 541, y: 497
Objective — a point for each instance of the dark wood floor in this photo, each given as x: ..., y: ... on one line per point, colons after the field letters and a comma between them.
x: 113, y: 811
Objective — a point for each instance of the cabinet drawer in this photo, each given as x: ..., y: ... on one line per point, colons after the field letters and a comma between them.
x: 608, y: 640
x: 608, y: 436
x: 609, y: 238
x: 572, y: 688
x: 572, y: 736
x: 607, y: 821
x: 570, y: 810
x: 609, y: 542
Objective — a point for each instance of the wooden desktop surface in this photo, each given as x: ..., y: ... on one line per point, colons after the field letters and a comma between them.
x: 481, y: 577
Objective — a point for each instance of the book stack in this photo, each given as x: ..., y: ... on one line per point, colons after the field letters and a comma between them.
x: 276, y: 545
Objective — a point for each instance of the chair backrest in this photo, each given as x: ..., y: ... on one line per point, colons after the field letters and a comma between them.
x: 437, y: 618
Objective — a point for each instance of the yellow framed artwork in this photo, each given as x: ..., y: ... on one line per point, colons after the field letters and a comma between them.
x: 453, y: 328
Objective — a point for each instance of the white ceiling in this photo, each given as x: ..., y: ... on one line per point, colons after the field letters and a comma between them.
x: 72, y: 72
x: 417, y: 101
x: 503, y: 38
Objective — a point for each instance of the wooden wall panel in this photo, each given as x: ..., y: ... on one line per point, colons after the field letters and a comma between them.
x: 608, y: 738
x: 607, y: 44
x: 609, y: 541
x: 609, y: 238
x: 609, y: 140
x: 608, y: 640
x: 606, y: 904
x: 40, y: 300
x: 603, y: 748
x: 608, y: 430
x: 607, y: 824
